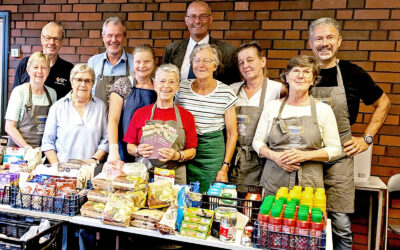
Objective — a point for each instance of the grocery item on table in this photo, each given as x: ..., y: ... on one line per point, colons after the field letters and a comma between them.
x: 149, y: 215
x: 195, y: 226
x: 227, y: 229
x: 144, y: 224
x: 98, y: 195
x: 93, y: 209
x: 160, y: 194
x: 164, y: 174
x: 138, y: 197
x: 9, y: 179
x: 129, y: 182
x: 118, y: 210
x: 168, y: 222
x: 193, y: 233
x: 12, y: 154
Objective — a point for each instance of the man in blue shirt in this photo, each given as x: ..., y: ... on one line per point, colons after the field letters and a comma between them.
x: 58, y: 79
x: 115, y: 62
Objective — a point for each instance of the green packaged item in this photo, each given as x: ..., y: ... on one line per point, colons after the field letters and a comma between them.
x: 195, y: 226
x: 193, y: 233
x: 197, y: 219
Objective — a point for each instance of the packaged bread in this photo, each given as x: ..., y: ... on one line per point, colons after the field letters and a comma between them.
x: 98, y: 195
x: 135, y: 169
x: 150, y: 215
x: 93, y: 209
x: 138, y: 197
x: 143, y: 224
x: 129, y: 182
x: 118, y: 210
x: 160, y: 194
x: 168, y: 222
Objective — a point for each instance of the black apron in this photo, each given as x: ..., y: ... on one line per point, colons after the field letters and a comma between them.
x: 104, y: 83
x: 31, y: 127
x: 247, y: 164
x: 179, y: 144
x: 338, y: 175
x: 294, y: 132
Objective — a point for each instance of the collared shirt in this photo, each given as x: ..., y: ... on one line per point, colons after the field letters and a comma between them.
x: 73, y: 136
x: 119, y: 69
x: 58, y: 78
x: 186, y: 60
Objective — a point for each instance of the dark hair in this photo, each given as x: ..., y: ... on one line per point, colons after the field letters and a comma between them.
x: 257, y: 47
x: 302, y: 61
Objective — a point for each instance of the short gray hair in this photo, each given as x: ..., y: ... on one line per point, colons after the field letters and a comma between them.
x: 323, y: 21
x: 114, y: 20
x: 81, y: 68
x: 214, y: 49
x: 57, y: 25
x: 167, y: 67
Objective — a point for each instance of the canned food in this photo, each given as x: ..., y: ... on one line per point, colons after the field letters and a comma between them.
x: 227, y: 229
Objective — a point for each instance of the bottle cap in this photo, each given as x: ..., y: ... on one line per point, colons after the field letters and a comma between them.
x: 316, y: 217
x: 289, y: 213
x: 303, y: 216
x: 276, y: 212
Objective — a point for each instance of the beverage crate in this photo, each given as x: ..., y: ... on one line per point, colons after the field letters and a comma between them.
x: 69, y: 205
x: 14, y: 226
x: 265, y: 239
x: 249, y: 208
x: 5, y: 196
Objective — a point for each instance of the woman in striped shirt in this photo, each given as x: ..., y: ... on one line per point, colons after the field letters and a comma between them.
x: 212, y: 104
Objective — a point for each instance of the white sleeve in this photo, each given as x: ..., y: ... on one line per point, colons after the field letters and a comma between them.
x: 15, y: 104
x: 330, y: 133
x: 262, y: 131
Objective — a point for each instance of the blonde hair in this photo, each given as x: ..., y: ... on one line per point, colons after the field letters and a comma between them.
x: 38, y: 56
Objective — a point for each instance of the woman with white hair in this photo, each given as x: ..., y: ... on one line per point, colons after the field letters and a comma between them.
x: 76, y: 127
x: 164, y: 111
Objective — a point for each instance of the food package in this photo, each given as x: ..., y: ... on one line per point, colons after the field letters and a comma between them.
x: 164, y: 174
x: 195, y: 226
x: 129, y: 182
x: 168, y: 221
x: 149, y: 215
x: 111, y: 170
x: 118, y: 210
x: 2, y: 150
x: 33, y: 156
x: 197, y: 219
x: 143, y: 224
x: 193, y: 233
x: 12, y: 154
x: 86, y: 173
x: 201, y: 212
x: 9, y: 179
x: 135, y: 169
x: 93, y: 209
x: 18, y: 167
x: 138, y: 197
x: 98, y: 195
x: 160, y: 194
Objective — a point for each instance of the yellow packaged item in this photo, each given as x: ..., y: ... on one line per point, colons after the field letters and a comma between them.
x: 160, y: 194
x: 118, y: 210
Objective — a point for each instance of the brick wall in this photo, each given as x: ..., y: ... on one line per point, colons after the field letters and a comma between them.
x: 371, y: 34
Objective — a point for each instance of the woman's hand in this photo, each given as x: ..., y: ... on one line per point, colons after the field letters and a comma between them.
x: 168, y: 154
x: 222, y: 175
x: 145, y: 150
x: 294, y: 156
x: 289, y: 167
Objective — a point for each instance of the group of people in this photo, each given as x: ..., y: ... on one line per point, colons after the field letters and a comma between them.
x: 255, y: 131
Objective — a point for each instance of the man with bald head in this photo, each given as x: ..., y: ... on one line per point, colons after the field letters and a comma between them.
x: 58, y: 79
x: 198, y: 19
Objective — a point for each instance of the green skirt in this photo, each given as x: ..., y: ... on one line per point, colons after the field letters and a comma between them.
x: 210, y: 154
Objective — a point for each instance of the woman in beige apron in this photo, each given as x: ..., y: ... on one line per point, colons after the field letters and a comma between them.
x: 296, y: 134
x: 164, y: 111
x: 253, y: 94
x: 29, y: 104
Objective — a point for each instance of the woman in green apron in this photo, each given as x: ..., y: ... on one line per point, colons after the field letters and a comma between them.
x: 29, y: 104
x: 296, y: 134
x: 164, y: 112
x: 212, y: 104
x: 253, y: 95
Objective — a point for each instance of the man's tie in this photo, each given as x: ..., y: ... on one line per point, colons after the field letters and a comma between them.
x: 191, y: 74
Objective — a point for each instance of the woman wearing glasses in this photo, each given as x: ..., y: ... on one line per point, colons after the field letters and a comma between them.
x: 29, y: 104
x: 296, y: 133
x: 212, y: 104
x: 253, y: 94
x: 77, y: 124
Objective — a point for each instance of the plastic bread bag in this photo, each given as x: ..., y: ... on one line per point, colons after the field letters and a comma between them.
x: 138, y: 197
x: 160, y: 194
x: 143, y: 224
x: 118, y: 210
x: 135, y: 169
x: 93, y: 209
x: 149, y: 215
x: 34, y: 157
x: 129, y: 182
x: 168, y: 221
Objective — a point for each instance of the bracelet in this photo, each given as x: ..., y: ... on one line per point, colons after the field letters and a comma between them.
x: 137, y: 151
x: 226, y: 163
x: 180, y: 155
x: 96, y: 160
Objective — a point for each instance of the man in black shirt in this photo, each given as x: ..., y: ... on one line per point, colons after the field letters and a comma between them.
x: 342, y: 86
x: 58, y: 79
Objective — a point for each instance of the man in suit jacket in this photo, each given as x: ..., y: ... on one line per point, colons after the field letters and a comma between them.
x: 198, y: 20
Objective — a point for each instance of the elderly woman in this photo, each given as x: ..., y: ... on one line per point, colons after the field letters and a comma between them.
x: 77, y: 124
x: 212, y: 104
x: 297, y: 132
x: 164, y: 111
x: 29, y: 104
x: 253, y: 95
x: 128, y: 94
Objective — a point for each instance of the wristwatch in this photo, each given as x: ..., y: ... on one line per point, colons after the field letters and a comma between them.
x: 368, y: 139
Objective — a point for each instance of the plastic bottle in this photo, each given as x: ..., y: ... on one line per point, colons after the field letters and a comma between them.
x: 302, y: 229
x: 262, y: 232
x: 316, y: 228
x: 288, y: 227
x: 275, y: 227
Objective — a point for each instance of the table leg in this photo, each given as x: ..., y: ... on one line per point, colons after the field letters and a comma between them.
x: 379, y: 220
x: 370, y: 221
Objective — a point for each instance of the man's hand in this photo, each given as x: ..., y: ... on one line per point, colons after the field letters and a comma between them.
x: 355, y: 146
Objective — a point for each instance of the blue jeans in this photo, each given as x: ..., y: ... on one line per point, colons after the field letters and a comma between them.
x: 341, y: 231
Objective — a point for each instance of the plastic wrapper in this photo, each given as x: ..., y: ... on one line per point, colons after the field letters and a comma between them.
x: 149, y: 215
x: 138, y: 197
x: 98, y: 195
x: 34, y: 230
x: 12, y: 154
x: 111, y: 170
x: 193, y: 234
x: 168, y: 221
x: 135, y: 169
x: 130, y: 182
x: 33, y: 156
x: 195, y: 226
x: 164, y: 174
x: 143, y: 224
x: 160, y: 194
x: 118, y: 210
x: 93, y: 209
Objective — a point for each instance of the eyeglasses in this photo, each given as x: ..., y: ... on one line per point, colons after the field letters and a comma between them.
x: 202, y: 17
x: 206, y: 61
x: 50, y: 38
x: 117, y: 36
x: 80, y: 80
x: 306, y: 73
